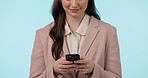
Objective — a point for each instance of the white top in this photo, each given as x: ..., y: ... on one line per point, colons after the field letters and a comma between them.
x: 75, y: 39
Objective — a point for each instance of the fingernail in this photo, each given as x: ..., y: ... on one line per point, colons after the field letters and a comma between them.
x: 71, y: 62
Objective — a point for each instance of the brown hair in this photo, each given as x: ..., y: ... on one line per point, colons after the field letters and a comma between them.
x: 58, y: 30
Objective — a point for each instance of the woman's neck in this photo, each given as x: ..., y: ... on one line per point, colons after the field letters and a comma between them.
x: 74, y: 22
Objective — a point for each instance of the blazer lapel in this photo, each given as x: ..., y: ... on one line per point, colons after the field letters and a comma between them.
x: 91, y: 34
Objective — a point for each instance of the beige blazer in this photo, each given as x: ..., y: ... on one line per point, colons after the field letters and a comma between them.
x: 100, y: 45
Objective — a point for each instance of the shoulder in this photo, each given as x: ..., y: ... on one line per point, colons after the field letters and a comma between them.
x: 45, y: 30
x: 101, y: 25
x: 107, y: 29
x: 106, y: 26
x: 43, y: 33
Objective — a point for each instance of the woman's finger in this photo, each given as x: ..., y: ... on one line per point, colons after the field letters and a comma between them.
x: 82, y: 66
x: 83, y: 60
x: 66, y: 62
x: 67, y: 66
x: 83, y: 70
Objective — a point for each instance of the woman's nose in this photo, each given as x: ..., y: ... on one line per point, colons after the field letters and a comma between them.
x: 74, y: 3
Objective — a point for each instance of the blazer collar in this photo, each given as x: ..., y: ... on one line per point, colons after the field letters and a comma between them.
x: 90, y: 36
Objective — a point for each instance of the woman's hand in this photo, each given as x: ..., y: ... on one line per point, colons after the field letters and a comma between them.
x: 62, y: 66
x: 84, y: 65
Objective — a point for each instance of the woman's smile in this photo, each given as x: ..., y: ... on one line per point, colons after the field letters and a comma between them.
x: 74, y: 10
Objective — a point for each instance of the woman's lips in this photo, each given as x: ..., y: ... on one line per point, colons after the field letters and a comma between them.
x: 74, y: 10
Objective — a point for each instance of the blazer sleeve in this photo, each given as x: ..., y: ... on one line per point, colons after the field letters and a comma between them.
x: 112, y: 67
x: 38, y: 68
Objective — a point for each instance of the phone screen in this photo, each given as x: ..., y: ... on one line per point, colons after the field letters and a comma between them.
x: 72, y: 57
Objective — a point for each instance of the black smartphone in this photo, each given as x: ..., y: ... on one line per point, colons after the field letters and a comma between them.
x: 72, y: 57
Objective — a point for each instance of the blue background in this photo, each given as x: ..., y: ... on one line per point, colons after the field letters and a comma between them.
x: 19, y: 19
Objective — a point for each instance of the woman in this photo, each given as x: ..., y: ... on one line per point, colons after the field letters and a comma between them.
x: 77, y: 29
